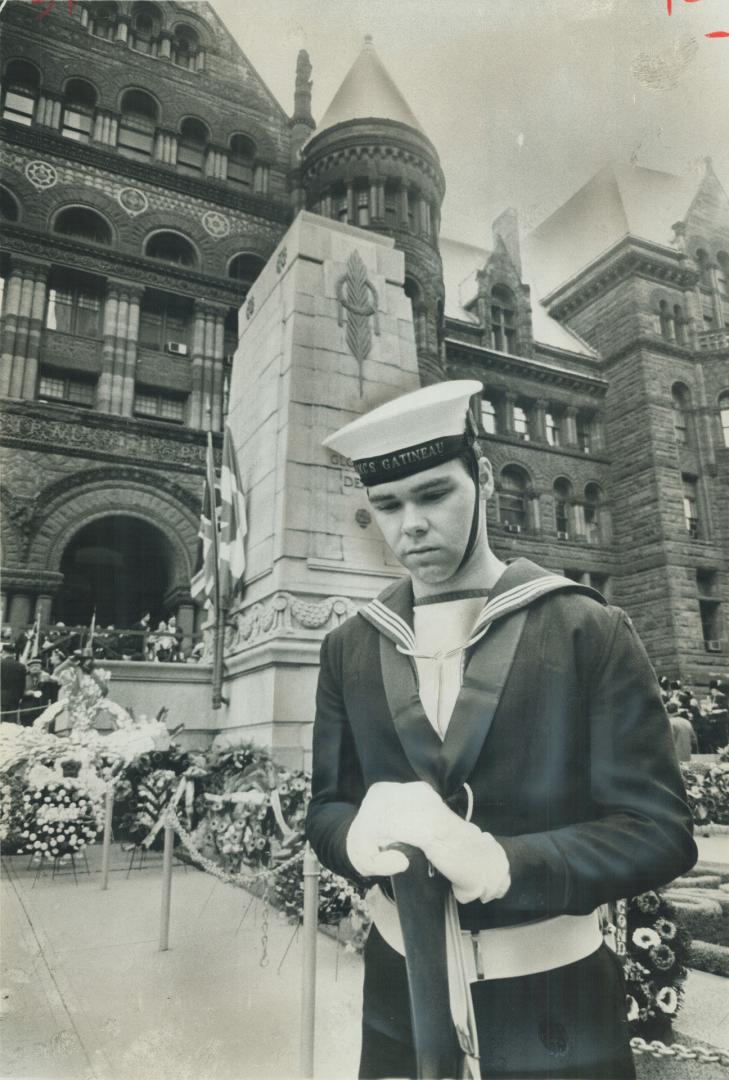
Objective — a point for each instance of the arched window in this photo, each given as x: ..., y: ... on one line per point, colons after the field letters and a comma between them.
x: 22, y: 86
x: 681, y: 401
x: 185, y: 47
x: 553, y: 425
x: 137, y: 124
x: 245, y: 269
x: 78, y: 110
x: 724, y: 415
x: 503, y: 329
x: 665, y: 318
x: 83, y: 224
x: 415, y: 295
x: 562, y: 502
x: 8, y: 206
x: 593, y: 513
x: 102, y: 19
x: 74, y: 303
x: 362, y: 205
x: 146, y: 25
x: 513, y: 487
x: 171, y: 247
x: 194, y: 138
x: 240, y: 160
x: 488, y: 416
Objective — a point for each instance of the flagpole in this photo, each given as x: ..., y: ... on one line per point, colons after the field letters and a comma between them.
x: 218, y: 611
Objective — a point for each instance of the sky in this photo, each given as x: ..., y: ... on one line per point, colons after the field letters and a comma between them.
x: 523, y: 99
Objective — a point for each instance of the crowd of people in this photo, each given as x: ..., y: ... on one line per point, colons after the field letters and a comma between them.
x: 698, y: 725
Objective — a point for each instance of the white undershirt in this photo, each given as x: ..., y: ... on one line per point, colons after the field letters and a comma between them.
x: 442, y: 628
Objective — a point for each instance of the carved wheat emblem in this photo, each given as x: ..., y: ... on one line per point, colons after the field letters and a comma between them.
x: 358, y: 297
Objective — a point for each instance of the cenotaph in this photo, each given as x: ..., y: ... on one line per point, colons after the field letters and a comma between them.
x: 326, y: 334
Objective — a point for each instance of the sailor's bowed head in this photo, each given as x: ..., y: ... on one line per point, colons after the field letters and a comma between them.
x: 411, y: 433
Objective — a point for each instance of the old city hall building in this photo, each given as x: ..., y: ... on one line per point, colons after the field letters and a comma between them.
x: 148, y: 174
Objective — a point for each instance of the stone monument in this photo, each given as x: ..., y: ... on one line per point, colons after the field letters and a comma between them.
x: 326, y: 334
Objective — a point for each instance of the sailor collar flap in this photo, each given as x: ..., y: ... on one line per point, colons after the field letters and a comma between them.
x: 447, y: 764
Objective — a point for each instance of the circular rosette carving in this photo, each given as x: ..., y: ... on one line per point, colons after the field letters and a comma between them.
x: 41, y: 175
x: 133, y: 201
x: 216, y: 224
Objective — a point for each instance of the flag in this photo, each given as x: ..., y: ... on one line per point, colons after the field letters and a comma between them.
x: 30, y: 649
x: 205, y: 582
x: 233, y: 526
x: 92, y: 631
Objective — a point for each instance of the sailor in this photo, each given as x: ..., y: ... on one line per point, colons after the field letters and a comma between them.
x: 501, y: 726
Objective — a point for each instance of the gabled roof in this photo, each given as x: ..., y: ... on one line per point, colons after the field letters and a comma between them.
x: 461, y: 263
x: 619, y: 200
x: 368, y: 91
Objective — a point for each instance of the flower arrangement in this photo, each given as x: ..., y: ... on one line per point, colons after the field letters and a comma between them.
x: 59, y: 818
x: 708, y: 793
x: 655, y: 964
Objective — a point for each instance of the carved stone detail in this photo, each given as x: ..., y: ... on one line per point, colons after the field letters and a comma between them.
x: 358, y: 297
x: 217, y: 225
x: 281, y: 260
x: 132, y: 201
x: 22, y: 511
x: 41, y: 175
x: 285, y: 614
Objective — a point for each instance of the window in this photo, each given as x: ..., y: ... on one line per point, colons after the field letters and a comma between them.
x: 137, y: 124
x: 592, y: 512
x: 171, y: 247
x: 704, y: 264
x: 724, y: 415
x: 74, y: 305
x: 102, y: 19
x: 665, y: 318
x: 502, y: 319
x: 722, y: 276
x: 488, y: 416
x: 362, y: 201
x: 240, y: 160
x: 340, y: 206
x: 160, y: 406
x: 82, y: 224
x: 163, y: 319
x: 414, y: 293
x: 554, y: 428
x: 391, y: 214
x: 146, y: 25
x: 69, y: 388
x: 584, y: 433
x: 562, y: 499
x: 185, y: 47
x: 78, y: 110
x: 513, y: 498
x: 194, y: 137
x: 8, y: 206
x: 230, y: 333
x: 681, y: 404
x: 22, y: 86
x: 691, y: 506
x: 411, y: 199
x: 245, y: 269
x: 521, y: 423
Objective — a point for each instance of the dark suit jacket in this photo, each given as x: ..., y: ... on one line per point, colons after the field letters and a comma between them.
x: 576, y: 775
x: 12, y: 685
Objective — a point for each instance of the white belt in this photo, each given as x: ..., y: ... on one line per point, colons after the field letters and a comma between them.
x: 505, y: 952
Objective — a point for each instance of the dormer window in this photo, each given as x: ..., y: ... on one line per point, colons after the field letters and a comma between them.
x: 503, y: 327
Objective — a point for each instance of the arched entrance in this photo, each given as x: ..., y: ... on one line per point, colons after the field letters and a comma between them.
x: 121, y: 567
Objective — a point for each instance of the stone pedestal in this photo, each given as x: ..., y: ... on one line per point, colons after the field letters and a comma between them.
x: 326, y: 335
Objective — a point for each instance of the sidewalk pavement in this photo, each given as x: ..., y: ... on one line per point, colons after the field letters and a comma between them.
x: 88, y: 996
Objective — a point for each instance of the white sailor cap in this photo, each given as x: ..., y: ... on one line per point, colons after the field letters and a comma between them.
x: 411, y: 433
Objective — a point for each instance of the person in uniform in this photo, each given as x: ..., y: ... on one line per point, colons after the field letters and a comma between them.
x: 12, y: 682
x: 40, y: 692
x: 503, y: 725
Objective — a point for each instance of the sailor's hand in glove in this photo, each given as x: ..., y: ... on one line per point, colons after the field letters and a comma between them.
x: 473, y: 861
x: 390, y: 813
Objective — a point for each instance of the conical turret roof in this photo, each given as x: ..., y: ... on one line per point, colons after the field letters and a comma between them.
x: 368, y: 92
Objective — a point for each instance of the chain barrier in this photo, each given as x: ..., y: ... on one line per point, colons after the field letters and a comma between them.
x: 239, y: 879
x: 263, y: 962
x: 702, y: 1054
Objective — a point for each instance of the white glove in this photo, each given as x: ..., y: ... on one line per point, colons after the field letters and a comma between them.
x: 390, y: 813
x: 473, y: 861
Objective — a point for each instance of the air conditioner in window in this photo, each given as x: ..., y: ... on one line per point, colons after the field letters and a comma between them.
x: 714, y: 646
x: 177, y: 347
x: 563, y: 536
x: 512, y: 528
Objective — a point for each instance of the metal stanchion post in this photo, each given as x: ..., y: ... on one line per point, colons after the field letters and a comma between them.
x: 164, y: 930
x: 106, y: 846
x: 308, y: 976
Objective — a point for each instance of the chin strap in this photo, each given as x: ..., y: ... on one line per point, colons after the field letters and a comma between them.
x: 473, y: 534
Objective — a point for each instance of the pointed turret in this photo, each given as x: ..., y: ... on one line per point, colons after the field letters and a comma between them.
x: 371, y: 164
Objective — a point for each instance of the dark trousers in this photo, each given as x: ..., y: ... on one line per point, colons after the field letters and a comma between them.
x: 566, y: 1024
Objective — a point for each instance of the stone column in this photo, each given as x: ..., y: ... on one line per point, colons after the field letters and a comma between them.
x: 121, y: 31
x: 186, y: 622
x: 24, y: 309
x: 716, y: 303
x: 129, y: 368
x: 197, y: 359
x: 164, y: 45
x: 106, y: 127
x: 115, y: 389
x: 43, y: 605
x: 509, y: 401
x: 165, y: 147
x: 200, y: 60
x: 570, y: 426
x: 578, y: 517
x: 260, y: 179
x: 218, y: 357
x: 539, y: 419
x: 48, y: 111
x: 19, y: 614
